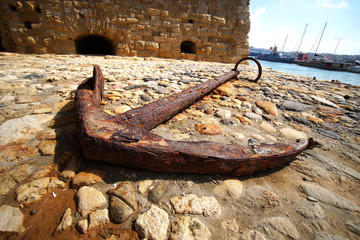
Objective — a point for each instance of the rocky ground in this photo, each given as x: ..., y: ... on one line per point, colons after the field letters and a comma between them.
x: 49, y: 191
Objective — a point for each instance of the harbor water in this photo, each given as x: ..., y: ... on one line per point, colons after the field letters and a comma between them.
x: 344, y: 77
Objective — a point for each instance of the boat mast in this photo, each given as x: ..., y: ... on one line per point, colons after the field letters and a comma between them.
x: 284, y: 43
x: 320, y: 38
x: 302, y: 37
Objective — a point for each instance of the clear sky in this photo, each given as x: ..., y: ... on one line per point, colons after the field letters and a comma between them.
x: 273, y: 20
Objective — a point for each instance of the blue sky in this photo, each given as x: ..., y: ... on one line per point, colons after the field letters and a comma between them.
x: 272, y: 20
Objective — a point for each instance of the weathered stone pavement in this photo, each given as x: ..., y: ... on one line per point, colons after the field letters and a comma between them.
x: 49, y: 191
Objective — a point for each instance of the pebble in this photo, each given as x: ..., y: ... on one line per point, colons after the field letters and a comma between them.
x: 192, y: 204
x: 252, y: 116
x: 11, y: 219
x: 209, y: 129
x: 89, y: 199
x: 122, y: 109
x: 278, y: 228
x: 66, y: 221
x: 292, y: 133
x: 87, y: 178
x: 324, y: 101
x: 223, y: 113
x: 231, y: 187
x: 153, y: 224
x: 119, y: 210
x: 191, y: 228
x: 328, y: 197
x: 268, y: 127
x: 22, y: 129
x: 98, y: 217
x: 268, y: 107
x: 295, y: 106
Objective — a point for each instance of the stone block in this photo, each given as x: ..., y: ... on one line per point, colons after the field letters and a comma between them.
x: 153, y: 12
x: 152, y: 46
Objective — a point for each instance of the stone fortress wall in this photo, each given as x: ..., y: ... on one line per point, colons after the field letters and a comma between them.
x: 205, y: 30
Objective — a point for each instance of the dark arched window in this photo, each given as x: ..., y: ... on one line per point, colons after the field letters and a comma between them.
x: 187, y: 47
x: 94, y: 44
x: 1, y: 47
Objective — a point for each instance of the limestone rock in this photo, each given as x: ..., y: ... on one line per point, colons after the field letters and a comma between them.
x: 278, y: 228
x: 47, y: 147
x: 125, y: 191
x: 251, y: 116
x: 231, y: 187
x: 226, y: 89
x: 223, y: 113
x: 268, y: 127
x: 268, y: 107
x: 22, y: 129
x: 55, y: 183
x: 89, y: 199
x: 329, y: 197
x: 192, y: 204
x: 189, y: 228
x: 328, y: 236
x: 252, y: 235
x: 153, y: 224
x: 11, y: 219
x: 122, y: 109
x: 294, y: 106
x: 311, y: 211
x: 144, y: 186
x: 292, y: 133
x: 98, y: 217
x: 66, y: 221
x: 30, y: 192
x: 88, y: 177
x: 82, y: 226
x: 119, y: 210
x: 209, y: 129
x: 324, y: 101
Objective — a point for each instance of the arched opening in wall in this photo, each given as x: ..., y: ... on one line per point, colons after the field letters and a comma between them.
x: 188, y: 47
x: 94, y: 45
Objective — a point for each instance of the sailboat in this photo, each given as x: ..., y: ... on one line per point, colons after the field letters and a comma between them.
x: 318, y: 61
x: 275, y: 56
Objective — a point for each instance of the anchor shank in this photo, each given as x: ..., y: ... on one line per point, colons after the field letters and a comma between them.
x: 154, y: 113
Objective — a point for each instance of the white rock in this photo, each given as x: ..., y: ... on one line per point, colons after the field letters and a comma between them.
x: 23, y: 128
x: 82, y: 226
x: 98, y: 217
x: 238, y: 136
x: 32, y: 191
x: 144, y: 186
x: 189, y: 228
x: 329, y: 197
x: 223, y: 113
x: 231, y: 187
x: 89, y: 199
x: 66, y: 221
x: 153, y: 224
x: 324, y: 101
x: 278, y: 228
x: 11, y: 219
x: 252, y: 235
x: 292, y: 133
x: 327, y: 236
x: 192, y: 204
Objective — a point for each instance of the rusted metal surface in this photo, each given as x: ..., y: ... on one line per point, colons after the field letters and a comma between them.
x: 125, y: 138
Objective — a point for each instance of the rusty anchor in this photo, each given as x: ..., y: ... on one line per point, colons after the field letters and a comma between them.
x: 125, y: 139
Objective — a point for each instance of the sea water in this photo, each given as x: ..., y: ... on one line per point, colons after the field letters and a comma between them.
x: 344, y: 77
